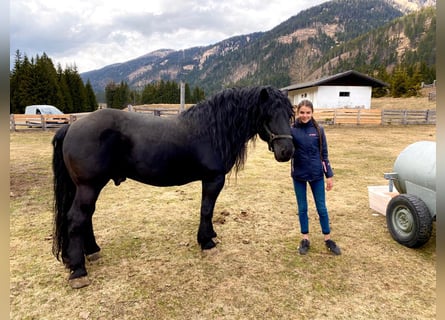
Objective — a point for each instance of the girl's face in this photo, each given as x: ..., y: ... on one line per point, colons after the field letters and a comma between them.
x: 305, y: 114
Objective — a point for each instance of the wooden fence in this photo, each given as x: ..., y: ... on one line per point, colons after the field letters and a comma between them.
x: 41, y: 121
x: 323, y: 116
x: 374, y: 117
x: 157, y: 111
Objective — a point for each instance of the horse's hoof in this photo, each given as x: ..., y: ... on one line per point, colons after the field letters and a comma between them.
x: 208, y: 245
x: 94, y: 256
x: 78, y: 283
x: 210, y: 252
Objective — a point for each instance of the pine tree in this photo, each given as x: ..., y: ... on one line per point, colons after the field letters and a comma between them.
x: 110, y: 94
x: 187, y: 93
x: 398, y: 83
x: 66, y: 104
x: 91, y: 102
x: 14, y: 84
x: 45, y: 85
x: 76, y: 89
x: 124, y: 95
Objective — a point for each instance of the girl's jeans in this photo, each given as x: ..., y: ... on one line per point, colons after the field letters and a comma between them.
x: 318, y: 191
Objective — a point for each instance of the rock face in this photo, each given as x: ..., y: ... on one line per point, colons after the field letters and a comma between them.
x: 412, y: 5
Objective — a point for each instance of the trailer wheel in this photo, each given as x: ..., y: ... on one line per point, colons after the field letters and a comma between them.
x: 409, y: 220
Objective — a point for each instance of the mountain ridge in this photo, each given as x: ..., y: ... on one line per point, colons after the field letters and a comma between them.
x: 295, y: 49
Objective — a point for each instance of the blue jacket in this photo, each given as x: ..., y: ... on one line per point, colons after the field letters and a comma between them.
x: 306, y: 161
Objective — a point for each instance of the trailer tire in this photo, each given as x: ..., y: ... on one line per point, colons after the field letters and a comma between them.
x: 409, y: 220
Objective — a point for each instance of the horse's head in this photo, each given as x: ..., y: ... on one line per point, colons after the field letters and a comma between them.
x: 274, y: 127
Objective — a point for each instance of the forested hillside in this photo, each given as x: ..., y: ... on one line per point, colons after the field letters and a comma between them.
x: 406, y: 45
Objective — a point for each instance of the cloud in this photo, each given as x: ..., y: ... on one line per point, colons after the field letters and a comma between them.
x: 95, y: 33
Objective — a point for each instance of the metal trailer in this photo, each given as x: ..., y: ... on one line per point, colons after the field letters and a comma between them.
x: 410, y: 215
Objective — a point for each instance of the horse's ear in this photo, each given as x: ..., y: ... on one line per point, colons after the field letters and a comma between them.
x: 264, y: 94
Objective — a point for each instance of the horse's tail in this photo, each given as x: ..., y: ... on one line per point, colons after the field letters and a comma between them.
x: 64, y: 191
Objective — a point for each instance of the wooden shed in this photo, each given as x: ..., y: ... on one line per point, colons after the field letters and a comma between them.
x: 350, y: 89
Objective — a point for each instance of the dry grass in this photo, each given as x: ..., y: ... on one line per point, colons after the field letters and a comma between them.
x: 152, y: 267
x: 411, y: 103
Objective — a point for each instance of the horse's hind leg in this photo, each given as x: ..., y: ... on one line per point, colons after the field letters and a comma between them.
x: 91, y: 247
x: 78, y: 224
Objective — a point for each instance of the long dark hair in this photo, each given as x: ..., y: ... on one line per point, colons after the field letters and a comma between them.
x: 235, y: 115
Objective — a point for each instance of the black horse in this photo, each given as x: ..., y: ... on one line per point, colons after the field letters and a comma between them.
x: 202, y: 143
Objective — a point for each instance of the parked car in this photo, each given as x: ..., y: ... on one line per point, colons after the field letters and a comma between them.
x: 45, y: 109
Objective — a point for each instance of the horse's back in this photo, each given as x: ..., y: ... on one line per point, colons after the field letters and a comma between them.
x: 109, y: 118
x: 114, y: 144
x: 104, y: 121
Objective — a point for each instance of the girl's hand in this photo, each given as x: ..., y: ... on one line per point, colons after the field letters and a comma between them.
x: 329, y: 184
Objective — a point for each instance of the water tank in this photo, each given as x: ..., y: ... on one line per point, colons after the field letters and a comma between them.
x: 410, y: 214
x: 416, y: 165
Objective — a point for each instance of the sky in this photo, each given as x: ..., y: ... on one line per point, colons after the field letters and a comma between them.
x: 95, y: 33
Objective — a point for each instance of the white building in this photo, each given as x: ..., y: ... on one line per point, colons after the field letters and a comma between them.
x: 349, y: 89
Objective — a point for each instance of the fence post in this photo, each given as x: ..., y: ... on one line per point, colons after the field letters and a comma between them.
x: 182, y: 97
x: 12, y: 122
x: 43, y: 120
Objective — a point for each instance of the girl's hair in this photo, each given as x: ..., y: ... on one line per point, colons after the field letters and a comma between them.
x: 308, y: 103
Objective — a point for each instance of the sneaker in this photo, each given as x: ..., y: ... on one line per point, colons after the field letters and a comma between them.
x: 304, y: 246
x: 332, y: 246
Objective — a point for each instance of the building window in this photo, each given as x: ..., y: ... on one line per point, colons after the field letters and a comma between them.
x: 344, y: 94
x: 303, y: 95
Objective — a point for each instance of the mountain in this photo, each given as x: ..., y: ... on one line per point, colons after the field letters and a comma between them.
x: 321, y: 40
x: 411, y: 5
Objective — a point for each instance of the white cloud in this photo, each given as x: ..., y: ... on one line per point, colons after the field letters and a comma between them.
x: 96, y: 33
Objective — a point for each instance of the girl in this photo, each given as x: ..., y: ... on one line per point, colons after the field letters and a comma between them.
x: 310, y: 164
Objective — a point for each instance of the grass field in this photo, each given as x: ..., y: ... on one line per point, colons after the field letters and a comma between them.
x: 152, y: 267
x: 411, y: 103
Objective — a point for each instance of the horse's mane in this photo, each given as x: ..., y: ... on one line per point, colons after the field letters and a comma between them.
x: 232, y: 117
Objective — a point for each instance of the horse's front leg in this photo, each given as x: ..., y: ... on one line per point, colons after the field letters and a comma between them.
x: 210, y: 192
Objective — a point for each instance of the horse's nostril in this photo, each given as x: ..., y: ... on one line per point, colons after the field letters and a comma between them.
x: 284, y: 154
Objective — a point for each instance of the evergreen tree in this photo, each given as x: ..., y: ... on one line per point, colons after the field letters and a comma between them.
x: 197, y: 95
x: 169, y: 92
x: 149, y: 94
x: 381, y: 74
x: 45, y: 86
x: 76, y: 89
x: 110, y: 94
x: 91, y: 104
x: 14, y: 84
x: 26, y: 91
x: 117, y: 95
x: 398, y: 83
x: 187, y: 93
x: 66, y: 103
